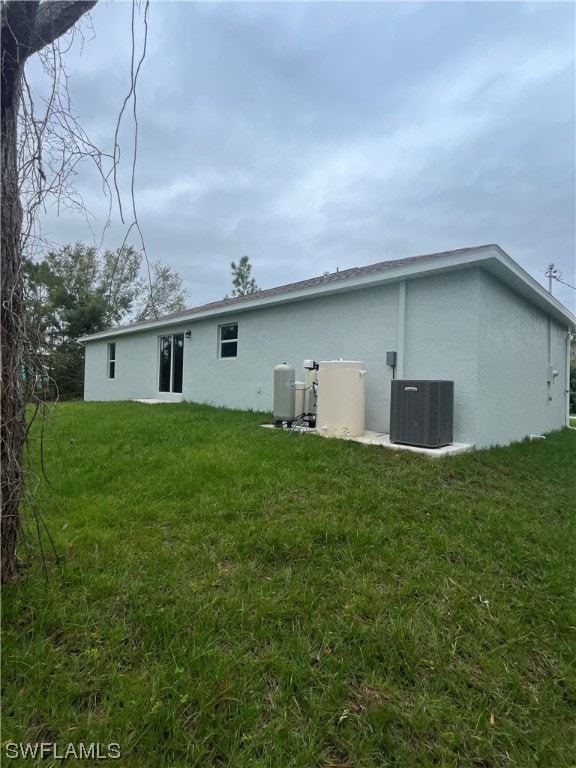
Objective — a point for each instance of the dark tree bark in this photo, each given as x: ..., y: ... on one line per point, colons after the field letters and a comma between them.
x: 27, y: 27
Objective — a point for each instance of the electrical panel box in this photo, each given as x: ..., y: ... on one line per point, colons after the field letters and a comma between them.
x: 391, y: 358
x: 422, y: 412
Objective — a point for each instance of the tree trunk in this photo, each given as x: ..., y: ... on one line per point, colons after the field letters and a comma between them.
x: 12, y: 424
x: 27, y: 26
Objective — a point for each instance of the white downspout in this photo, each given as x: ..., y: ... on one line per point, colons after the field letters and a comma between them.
x: 549, y: 384
x: 401, y: 329
x: 569, y: 338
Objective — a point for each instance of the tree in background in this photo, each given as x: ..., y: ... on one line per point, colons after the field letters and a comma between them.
x: 74, y: 292
x: 160, y: 294
x: 242, y: 279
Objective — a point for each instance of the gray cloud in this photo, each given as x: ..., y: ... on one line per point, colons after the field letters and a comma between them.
x: 315, y: 136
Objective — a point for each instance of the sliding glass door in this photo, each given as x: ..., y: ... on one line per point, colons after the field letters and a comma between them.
x: 171, y: 363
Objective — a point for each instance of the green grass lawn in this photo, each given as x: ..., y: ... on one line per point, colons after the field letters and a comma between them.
x: 234, y: 596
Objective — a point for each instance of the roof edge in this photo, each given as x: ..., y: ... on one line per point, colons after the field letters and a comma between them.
x: 361, y: 277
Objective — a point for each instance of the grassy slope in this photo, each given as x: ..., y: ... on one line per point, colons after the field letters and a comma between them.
x: 233, y: 596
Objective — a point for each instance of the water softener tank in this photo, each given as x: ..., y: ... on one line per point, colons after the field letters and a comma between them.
x: 284, y: 393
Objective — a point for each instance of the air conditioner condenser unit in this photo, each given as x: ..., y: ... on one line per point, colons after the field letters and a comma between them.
x: 422, y: 412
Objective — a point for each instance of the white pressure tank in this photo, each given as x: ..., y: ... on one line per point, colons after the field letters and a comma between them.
x: 284, y: 393
x: 340, y: 409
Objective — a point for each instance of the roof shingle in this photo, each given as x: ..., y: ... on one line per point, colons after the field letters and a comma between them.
x: 332, y: 277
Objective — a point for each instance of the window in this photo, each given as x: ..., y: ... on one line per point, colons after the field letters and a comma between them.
x: 112, y: 360
x: 228, y: 337
x: 171, y: 363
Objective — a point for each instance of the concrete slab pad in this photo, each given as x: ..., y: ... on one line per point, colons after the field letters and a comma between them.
x: 383, y: 439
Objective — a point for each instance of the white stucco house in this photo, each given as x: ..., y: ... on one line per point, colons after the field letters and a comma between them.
x: 472, y: 315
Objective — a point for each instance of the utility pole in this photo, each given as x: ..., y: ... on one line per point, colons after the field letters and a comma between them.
x: 551, y: 273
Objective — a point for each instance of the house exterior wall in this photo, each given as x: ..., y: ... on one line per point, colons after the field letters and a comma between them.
x: 136, y: 368
x: 513, y: 393
x: 463, y: 325
x: 359, y: 325
x: 441, y: 340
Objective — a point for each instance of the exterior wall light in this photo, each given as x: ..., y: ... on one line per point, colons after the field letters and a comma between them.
x: 188, y: 334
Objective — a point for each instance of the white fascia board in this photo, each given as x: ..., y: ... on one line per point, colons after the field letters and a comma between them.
x: 492, y: 258
x: 389, y: 275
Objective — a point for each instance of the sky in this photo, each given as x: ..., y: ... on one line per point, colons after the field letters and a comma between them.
x: 315, y: 136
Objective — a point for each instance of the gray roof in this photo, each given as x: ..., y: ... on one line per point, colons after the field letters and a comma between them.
x: 490, y: 256
x: 332, y: 277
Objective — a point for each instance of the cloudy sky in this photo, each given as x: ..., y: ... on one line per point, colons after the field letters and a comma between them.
x: 316, y: 135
